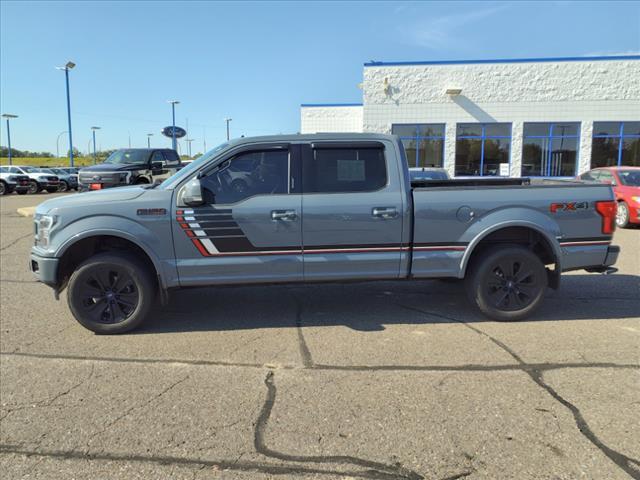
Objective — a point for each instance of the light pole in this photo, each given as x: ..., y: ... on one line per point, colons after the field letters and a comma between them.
x: 58, y: 140
x: 9, y: 116
x: 173, y: 116
x: 189, y: 140
x: 93, y: 131
x: 228, y: 120
x: 68, y: 66
x: 149, y: 135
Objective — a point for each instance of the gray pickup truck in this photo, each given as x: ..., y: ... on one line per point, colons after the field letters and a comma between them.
x: 317, y: 208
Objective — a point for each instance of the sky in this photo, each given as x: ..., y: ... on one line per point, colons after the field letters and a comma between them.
x: 254, y: 62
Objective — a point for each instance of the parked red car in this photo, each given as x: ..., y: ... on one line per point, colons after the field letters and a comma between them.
x: 626, y: 186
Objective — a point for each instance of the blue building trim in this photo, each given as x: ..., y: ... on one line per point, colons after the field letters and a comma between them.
x: 330, y: 105
x: 506, y: 60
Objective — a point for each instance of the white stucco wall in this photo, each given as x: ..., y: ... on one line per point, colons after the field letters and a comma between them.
x: 576, y: 91
x: 338, y: 118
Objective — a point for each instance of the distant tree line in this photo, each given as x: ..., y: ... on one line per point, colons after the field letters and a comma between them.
x: 4, y: 152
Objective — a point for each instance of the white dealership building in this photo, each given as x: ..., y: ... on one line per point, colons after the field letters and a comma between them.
x: 530, y: 117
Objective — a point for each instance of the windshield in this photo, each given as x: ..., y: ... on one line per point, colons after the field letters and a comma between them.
x: 193, y: 166
x: 127, y: 157
x: 629, y: 178
x: 30, y: 169
x: 428, y: 175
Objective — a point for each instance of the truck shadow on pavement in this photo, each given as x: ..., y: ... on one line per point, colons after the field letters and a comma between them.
x: 371, y: 306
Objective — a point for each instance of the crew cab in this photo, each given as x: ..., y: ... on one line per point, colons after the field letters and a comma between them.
x: 38, y: 180
x: 130, y: 166
x: 12, y: 182
x: 317, y: 208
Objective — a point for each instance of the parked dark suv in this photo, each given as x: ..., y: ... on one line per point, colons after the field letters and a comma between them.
x: 130, y: 166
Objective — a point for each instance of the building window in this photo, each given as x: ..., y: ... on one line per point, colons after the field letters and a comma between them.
x: 615, y: 144
x: 482, y: 148
x: 423, y: 143
x: 550, y: 149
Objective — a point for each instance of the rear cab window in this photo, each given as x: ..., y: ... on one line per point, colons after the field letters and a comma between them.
x: 345, y: 169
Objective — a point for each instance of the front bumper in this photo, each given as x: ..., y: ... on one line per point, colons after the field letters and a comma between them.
x: 45, y: 269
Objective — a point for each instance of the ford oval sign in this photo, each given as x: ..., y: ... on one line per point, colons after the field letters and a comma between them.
x: 169, y: 132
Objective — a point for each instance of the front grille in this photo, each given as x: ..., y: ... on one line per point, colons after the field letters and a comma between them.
x: 91, y: 177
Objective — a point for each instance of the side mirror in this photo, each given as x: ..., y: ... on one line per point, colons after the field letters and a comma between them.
x: 156, y: 167
x: 192, y: 193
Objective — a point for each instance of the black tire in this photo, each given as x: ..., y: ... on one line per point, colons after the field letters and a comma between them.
x: 3, y: 188
x: 34, y: 187
x: 507, y: 283
x: 63, y: 186
x: 111, y: 293
x: 622, y: 215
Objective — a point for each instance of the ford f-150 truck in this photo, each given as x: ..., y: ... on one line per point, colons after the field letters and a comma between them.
x: 130, y: 166
x: 317, y: 208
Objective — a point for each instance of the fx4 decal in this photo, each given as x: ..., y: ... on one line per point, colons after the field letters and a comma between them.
x: 568, y: 207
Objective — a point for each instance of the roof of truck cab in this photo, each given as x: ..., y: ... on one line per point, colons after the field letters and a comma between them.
x: 310, y: 137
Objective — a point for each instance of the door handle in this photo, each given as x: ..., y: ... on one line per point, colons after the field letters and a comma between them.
x: 385, y: 212
x: 286, y: 215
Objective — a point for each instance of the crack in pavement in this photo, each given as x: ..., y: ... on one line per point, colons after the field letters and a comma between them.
x: 378, y: 469
x: 305, y: 353
x: 131, y: 409
x: 13, y: 242
x: 470, y: 367
x: 630, y: 465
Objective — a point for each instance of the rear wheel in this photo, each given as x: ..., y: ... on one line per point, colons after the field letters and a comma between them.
x: 507, y: 283
x: 622, y: 215
x: 3, y: 188
x: 111, y: 293
x: 63, y: 186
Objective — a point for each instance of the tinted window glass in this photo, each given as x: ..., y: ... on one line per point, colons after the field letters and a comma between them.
x: 469, y: 130
x: 630, y: 152
x: 535, y: 152
x: 431, y: 130
x: 630, y: 178
x: 4, y: 170
x: 157, y: 157
x: 410, y: 151
x: 430, y: 153
x: 345, y: 170
x: 248, y: 174
x: 497, y: 130
x: 564, y: 129
x: 404, y: 130
x: 468, y: 155
x: 632, y: 128
x: 171, y: 157
x: 606, y: 128
x: 605, y: 152
x: 536, y: 129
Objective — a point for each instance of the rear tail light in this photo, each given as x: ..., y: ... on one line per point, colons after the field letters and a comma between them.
x: 607, y: 211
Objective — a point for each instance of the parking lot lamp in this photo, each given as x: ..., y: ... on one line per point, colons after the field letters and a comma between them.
x: 173, y: 123
x: 149, y: 135
x: 228, y: 120
x: 68, y: 66
x: 94, y: 143
x: 57, y: 143
x: 8, y: 116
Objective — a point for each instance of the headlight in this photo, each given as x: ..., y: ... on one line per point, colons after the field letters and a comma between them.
x: 44, y: 224
x: 635, y: 199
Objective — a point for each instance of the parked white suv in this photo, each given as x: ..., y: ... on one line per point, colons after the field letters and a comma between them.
x: 13, y: 182
x: 38, y: 180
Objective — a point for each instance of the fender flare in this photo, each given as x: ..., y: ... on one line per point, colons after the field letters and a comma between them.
x: 553, y: 243
x: 62, y: 249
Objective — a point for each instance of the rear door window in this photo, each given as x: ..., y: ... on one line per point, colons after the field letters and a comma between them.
x: 344, y: 170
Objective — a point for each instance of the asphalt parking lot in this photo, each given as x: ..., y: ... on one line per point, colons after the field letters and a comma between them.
x: 374, y: 381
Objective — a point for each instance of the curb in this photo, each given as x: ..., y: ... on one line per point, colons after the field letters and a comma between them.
x: 26, y: 211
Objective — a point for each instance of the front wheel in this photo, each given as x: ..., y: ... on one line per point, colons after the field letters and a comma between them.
x: 622, y: 215
x: 33, y: 187
x: 111, y: 293
x: 3, y: 189
x: 507, y: 283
